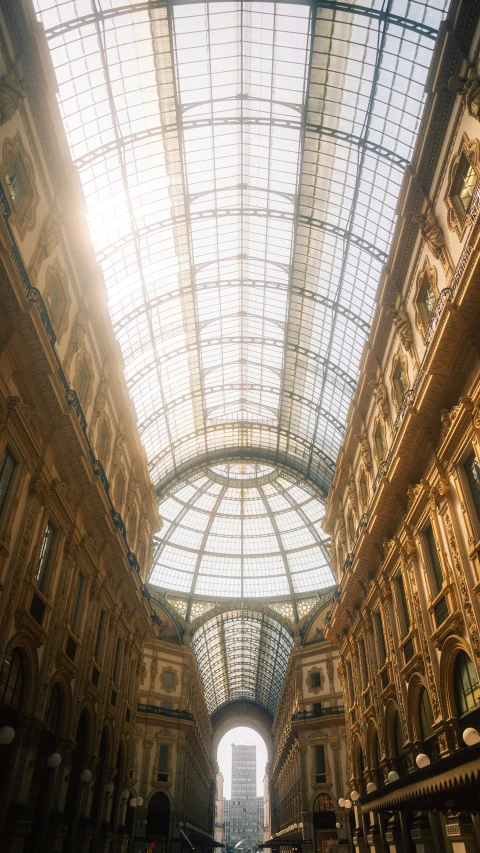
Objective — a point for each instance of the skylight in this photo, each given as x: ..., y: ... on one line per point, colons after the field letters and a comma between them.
x: 241, y: 164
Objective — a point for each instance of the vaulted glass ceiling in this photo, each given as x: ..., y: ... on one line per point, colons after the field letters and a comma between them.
x: 242, y: 530
x: 242, y: 655
x: 241, y: 164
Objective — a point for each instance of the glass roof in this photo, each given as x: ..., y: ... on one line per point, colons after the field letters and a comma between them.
x: 242, y: 655
x: 241, y: 163
x: 242, y: 530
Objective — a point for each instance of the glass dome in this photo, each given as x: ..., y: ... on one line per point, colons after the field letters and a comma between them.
x: 242, y: 530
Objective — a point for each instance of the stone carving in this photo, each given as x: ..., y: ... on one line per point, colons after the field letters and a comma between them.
x: 11, y: 97
x: 77, y: 337
x: 462, y: 583
x: 469, y: 87
x: 402, y: 324
x: 352, y: 494
x: 434, y: 238
x: 131, y: 492
x: 381, y: 397
x: 117, y: 450
x: 407, y: 566
x: 366, y: 451
x: 341, y: 529
x: 47, y: 242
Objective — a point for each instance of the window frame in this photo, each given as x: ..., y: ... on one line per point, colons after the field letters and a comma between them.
x: 473, y: 512
x: 43, y: 571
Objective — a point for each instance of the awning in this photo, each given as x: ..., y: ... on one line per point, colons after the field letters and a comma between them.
x: 195, y: 837
x: 451, y: 783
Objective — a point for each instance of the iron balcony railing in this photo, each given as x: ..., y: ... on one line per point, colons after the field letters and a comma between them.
x: 166, y: 712
x: 318, y: 712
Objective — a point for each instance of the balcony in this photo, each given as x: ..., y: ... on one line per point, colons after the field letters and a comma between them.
x: 166, y: 712
x: 319, y: 712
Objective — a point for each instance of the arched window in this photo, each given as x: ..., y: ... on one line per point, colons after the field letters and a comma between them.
x: 323, y: 803
x: 425, y: 716
x: 11, y: 682
x: 465, y: 684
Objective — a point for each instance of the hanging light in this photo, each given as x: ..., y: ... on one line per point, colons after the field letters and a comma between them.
x: 85, y: 775
x: 470, y: 736
x: 422, y: 760
x: 54, y: 760
x: 133, y: 802
x: 348, y: 804
x: 371, y: 787
x: 6, y: 735
x: 393, y: 776
x: 354, y: 795
x: 109, y: 788
x: 342, y: 802
x: 125, y: 794
x: 338, y: 825
x: 139, y: 801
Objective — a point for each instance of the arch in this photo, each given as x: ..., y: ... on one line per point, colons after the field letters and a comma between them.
x: 451, y: 648
x: 158, y: 817
x: 323, y: 803
x: 324, y: 817
x: 62, y: 682
x: 242, y: 713
x: 26, y: 649
x: 392, y: 720
x: 465, y: 684
x: 358, y: 762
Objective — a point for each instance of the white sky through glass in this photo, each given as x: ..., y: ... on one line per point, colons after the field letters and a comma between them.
x: 241, y: 735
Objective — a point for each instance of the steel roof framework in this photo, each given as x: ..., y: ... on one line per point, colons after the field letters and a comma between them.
x: 241, y: 165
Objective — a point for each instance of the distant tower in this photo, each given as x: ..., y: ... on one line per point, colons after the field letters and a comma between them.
x: 244, y: 771
x: 244, y: 812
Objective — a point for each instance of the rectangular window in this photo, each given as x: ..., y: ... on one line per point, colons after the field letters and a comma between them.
x: 75, y: 616
x: 317, y: 709
x: 99, y: 640
x: 436, y: 567
x: 45, y: 554
x: 118, y: 658
x: 7, y: 467
x: 320, y: 763
x: 472, y: 471
x: 404, y: 615
x: 382, y: 652
x: 363, y: 663
x: 315, y: 679
x: 163, y: 757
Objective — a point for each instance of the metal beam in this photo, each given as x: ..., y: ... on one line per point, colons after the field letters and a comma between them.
x: 334, y: 5
x: 240, y: 212
x: 189, y: 124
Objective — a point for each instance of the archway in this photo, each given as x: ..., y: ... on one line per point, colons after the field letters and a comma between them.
x: 158, y: 820
x: 324, y: 822
x: 242, y: 800
x: 242, y: 713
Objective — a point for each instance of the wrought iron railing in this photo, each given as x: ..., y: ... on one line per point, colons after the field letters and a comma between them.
x: 165, y: 712
x: 318, y: 712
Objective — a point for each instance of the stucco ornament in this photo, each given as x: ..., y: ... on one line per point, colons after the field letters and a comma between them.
x: 11, y: 97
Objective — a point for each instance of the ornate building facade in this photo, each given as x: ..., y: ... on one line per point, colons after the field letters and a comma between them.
x: 404, y: 507
x: 77, y: 509
x: 310, y: 772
